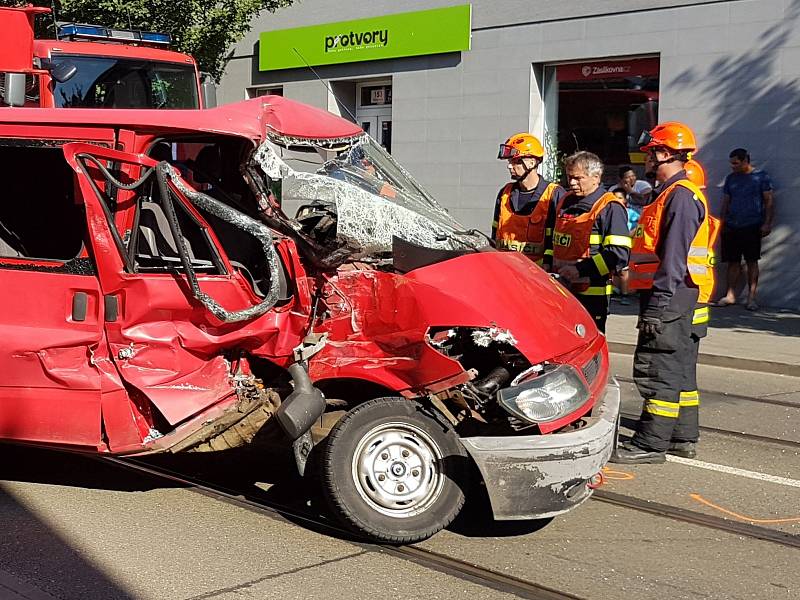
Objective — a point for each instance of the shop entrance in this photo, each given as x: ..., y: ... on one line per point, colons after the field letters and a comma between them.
x: 374, y: 110
x: 603, y: 106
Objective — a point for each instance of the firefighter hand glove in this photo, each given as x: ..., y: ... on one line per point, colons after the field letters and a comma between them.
x: 650, y: 326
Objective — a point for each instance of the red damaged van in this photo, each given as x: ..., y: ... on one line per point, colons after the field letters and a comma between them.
x: 158, y: 298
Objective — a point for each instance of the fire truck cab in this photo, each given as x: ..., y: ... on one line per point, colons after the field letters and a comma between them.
x: 91, y: 66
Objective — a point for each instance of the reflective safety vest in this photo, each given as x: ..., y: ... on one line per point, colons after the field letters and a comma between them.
x: 700, y: 261
x: 524, y: 233
x: 573, y: 240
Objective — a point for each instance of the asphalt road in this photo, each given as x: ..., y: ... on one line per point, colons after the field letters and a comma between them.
x: 76, y: 528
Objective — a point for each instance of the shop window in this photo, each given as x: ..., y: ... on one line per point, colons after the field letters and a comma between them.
x: 603, y: 106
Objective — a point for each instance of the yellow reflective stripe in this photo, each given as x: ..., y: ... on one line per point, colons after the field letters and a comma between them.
x: 548, y: 231
x: 595, y: 239
x: 701, y: 315
x: 617, y: 240
x: 690, y: 398
x: 539, y: 262
x: 697, y: 251
x: 601, y: 265
x: 598, y: 290
x: 548, y: 252
x: 662, y: 408
x: 495, y: 224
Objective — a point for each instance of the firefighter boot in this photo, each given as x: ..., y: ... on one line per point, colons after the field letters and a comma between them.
x: 631, y: 454
x: 683, y: 449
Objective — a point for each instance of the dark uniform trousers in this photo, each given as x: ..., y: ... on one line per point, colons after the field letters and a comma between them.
x: 688, y: 426
x: 664, y: 369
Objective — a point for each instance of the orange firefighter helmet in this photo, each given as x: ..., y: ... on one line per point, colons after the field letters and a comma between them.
x: 695, y: 173
x: 672, y: 134
x: 521, y: 145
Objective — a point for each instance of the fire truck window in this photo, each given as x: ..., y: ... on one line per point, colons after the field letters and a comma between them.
x: 38, y: 215
x: 107, y: 82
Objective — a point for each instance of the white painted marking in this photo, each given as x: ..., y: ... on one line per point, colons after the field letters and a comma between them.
x: 734, y: 471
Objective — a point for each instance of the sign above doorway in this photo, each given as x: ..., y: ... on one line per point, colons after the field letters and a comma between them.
x: 608, y: 69
x: 417, y: 33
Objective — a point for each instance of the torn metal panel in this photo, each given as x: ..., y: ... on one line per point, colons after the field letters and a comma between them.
x: 485, y: 337
x: 238, y: 424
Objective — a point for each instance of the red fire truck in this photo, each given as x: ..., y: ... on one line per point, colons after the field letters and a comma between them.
x: 90, y: 66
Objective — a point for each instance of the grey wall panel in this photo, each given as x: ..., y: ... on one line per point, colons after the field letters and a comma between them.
x: 728, y: 68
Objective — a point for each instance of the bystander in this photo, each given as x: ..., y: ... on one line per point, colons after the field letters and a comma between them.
x: 747, y: 212
x: 636, y: 193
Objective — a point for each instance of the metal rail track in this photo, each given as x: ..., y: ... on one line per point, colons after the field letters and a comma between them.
x: 426, y: 558
x: 453, y: 566
x: 698, y: 518
x: 629, y: 420
x: 764, y: 400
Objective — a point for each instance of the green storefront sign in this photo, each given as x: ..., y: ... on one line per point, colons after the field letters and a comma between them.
x: 391, y: 36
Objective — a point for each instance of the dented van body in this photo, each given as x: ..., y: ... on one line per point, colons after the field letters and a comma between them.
x: 186, y: 281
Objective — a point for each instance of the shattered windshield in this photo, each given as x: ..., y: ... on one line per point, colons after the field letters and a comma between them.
x: 361, y: 188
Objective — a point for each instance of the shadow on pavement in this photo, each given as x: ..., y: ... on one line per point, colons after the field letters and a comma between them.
x: 38, y: 465
x: 31, y: 551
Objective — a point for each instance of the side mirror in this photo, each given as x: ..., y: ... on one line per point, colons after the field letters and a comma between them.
x: 62, y: 71
x: 14, y: 90
x: 209, y: 90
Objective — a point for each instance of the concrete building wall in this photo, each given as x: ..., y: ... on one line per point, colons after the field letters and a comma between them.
x: 729, y: 69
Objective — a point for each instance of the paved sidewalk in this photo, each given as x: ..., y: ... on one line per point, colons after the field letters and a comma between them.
x: 767, y: 340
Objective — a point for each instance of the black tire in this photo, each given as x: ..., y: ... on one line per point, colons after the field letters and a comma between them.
x: 422, y: 462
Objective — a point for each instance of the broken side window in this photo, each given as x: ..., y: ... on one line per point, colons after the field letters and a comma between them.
x: 39, y: 217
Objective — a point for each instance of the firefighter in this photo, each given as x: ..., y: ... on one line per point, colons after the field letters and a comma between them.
x: 524, y: 211
x: 670, y: 264
x: 591, y: 240
x: 685, y: 434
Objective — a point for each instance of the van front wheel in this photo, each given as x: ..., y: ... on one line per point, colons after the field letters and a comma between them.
x: 394, y: 472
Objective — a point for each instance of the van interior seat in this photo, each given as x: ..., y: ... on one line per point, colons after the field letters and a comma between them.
x: 156, y: 239
x: 154, y: 228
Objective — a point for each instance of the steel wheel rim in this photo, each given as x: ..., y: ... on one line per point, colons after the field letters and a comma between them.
x: 396, y: 470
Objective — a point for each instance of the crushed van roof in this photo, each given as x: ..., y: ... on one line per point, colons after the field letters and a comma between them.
x: 252, y: 118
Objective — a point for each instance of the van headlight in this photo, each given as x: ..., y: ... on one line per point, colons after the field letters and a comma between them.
x: 550, y: 396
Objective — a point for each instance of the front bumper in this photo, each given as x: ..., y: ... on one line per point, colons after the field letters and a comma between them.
x: 540, y: 476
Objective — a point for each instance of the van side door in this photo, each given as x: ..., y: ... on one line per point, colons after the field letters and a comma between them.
x: 182, y: 312
x: 52, y: 344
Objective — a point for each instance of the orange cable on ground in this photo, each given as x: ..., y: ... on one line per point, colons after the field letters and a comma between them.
x: 613, y: 475
x: 702, y: 500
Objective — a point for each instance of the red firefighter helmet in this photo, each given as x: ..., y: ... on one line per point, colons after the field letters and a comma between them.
x: 521, y: 145
x: 672, y: 134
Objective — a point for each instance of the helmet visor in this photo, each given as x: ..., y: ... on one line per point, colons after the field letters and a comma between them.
x: 506, y: 152
x: 645, y: 140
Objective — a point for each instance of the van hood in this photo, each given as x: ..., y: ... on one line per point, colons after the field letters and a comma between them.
x: 505, y: 290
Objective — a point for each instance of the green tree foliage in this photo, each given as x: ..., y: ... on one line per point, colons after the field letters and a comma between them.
x: 206, y: 29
